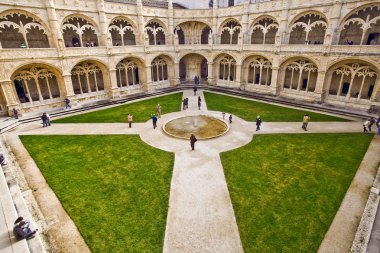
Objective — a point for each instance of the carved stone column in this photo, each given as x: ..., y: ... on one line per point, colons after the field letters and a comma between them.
x: 54, y: 26
x: 283, y: 25
x: 10, y: 94
x: 275, y: 85
x: 147, y: 85
x: 376, y: 91
x: 215, y: 21
x: 238, y: 75
x: 175, y: 80
x: 103, y: 23
x: 334, y: 21
x: 244, y: 23
x: 141, y: 25
x: 319, y: 92
x: 114, y: 91
x: 210, y: 74
x: 171, y: 23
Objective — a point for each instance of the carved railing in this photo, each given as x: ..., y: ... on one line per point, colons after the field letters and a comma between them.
x: 84, y: 51
x: 28, y: 53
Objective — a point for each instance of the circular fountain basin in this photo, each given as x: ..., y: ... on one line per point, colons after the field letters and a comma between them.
x: 202, y: 126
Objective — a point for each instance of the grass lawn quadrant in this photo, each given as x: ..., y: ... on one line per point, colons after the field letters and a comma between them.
x: 249, y: 109
x: 115, y: 188
x: 286, y: 189
x: 140, y: 110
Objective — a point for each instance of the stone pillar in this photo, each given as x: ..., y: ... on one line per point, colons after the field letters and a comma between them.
x: 333, y: 29
x: 170, y: 31
x: 376, y: 91
x: 114, y: 89
x: 68, y: 86
x: 147, y: 85
x: 103, y: 23
x: 175, y: 80
x: 275, y: 85
x: 141, y: 25
x: 56, y: 37
x: 215, y: 21
x: 319, y: 92
x: 10, y: 96
x: 283, y: 25
x: 210, y: 74
x: 245, y: 23
x: 238, y: 75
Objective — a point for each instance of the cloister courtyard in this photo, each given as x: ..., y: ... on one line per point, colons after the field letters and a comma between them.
x: 103, y: 187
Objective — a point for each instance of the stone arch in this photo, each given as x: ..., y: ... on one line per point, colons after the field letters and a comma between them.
x: 191, y: 65
x: 90, y: 77
x: 156, y: 32
x: 308, y: 28
x: 193, y: 32
x: 37, y: 83
x: 298, y: 74
x: 230, y: 31
x: 79, y: 31
x: 162, y: 70
x: 256, y: 70
x: 352, y: 79
x: 20, y: 28
x: 361, y: 26
x: 225, y: 68
x: 263, y: 30
x: 122, y: 31
x: 130, y: 73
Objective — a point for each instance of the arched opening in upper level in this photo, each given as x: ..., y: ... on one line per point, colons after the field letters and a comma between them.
x: 264, y: 30
x: 122, y: 32
x: 155, y: 32
x: 22, y: 30
x: 79, y: 31
x: 361, y: 27
x: 309, y: 28
x: 192, y: 32
x: 229, y: 33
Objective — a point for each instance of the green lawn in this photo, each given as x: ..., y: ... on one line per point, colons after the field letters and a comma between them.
x: 286, y: 189
x: 115, y: 188
x: 248, y: 110
x: 141, y: 111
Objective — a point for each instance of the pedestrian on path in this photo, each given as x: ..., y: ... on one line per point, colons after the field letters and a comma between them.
x: 199, y: 102
x: 154, y: 121
x: 67, y: 103
x: 223, y: 115
x: 305, y: 122
x: 130, y: 119
x: 258, y: 122
x: 366, y: 125
x: 44, y: 120
x: 48, y: 119
x: 371, y: 122
x: 184, y: 104
x: 21, y: 229
x: 193, y: 139
x: 158, y: 110
x: 195, y: 90
x: 15, y: 113
x: 230, y: 118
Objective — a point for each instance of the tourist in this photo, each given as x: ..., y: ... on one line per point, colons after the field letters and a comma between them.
x: 192, y: 141
x: 199, y: 102
x: 230, y: 118
x: 184, y: 104
x: 196, y: 80
x: 44, y: 120
x: 258, y: 122
x: 223, y: 115
x: 154, y: 121
x: 130, y: 119
x: 15, y: 113
x: 305, y: 122
x: 158, y: 110
x: 67, y: 103
x: 48, y: 119
x: 2, y: 160
x: 371, y: 122
x: 21, y: 229
x: 195, y: 90
x: 378, y: 122
x: 366, y: 125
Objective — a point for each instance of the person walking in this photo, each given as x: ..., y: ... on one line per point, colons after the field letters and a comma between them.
x: 67, y: 103
x: 15, y: 113
x: 48, y: 119
x: 130, y: 119
x: 305, y: 122
x: 44, y: 120
x: 199, y: 102
x: 230, y: 118
x: 223, y: 115
x: 158, y: 110
x: 371, y: 122
x: 195, y: 90
x: 193, y: 139
x: 258, y: 122
x: 366, y: 125
x: 184, y: 104
x: 154, y: 121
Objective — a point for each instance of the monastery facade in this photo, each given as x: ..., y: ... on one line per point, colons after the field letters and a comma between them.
x: 319, y: 51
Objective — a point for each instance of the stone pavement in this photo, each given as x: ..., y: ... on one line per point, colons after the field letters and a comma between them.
x: 200, y: 216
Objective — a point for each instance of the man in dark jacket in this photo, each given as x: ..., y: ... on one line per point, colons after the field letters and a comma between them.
x: 192, y: 141
x: 258, y: 122
x: 154, y: 120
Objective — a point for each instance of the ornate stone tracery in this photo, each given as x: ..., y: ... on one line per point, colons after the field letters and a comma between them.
x: 127, y: 74
x: 259, y: 71
x: 264, y: 31
x: 230, y: 32
x: 300, y: 75
x: 87, y: 78
x: 155, y: 33
x: 310, y: 27
x: 159, y: 70
x: 227, y: 68
x: 36, y: 84
x: 120, y: 28
x: 77, y: 26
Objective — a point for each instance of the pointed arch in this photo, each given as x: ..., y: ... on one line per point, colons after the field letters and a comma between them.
x: 308, y: 28
x: 122, y: 31
x: 79, y: 31
x: 263, y: 30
